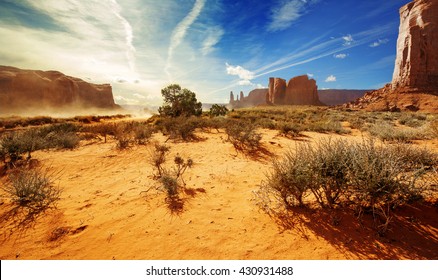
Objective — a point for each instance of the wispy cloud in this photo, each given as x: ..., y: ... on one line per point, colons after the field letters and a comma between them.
x: 330, y: 79
x: 214, y: 36
x: 340, y: 55
x: 323, y: 49
x: 286, y: 12
x: 179, y: 33
x: 348, y: 40
x: 379, y: 42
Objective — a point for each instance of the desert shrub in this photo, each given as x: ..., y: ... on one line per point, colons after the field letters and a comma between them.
x: 179, y: 102
x: 170, y: 185
x: 371, y: 178
x: 387, y: 132
x: 289, y: 129
x: 104, y: 129
x: 330, y: 163
x: 142, y: 133
x: 412, y: 120
x: 379, y: 182
x: 123, y: 138
x: 218, y: 110
x: 158, y: 158
x: 33, y: 189
x: 179, y: 128
x: 11, y: 147
x: 291, y: 177
x: 433, y: 128
x: 243, y: 136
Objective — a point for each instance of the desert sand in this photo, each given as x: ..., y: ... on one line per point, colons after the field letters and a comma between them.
x: 111, y: 209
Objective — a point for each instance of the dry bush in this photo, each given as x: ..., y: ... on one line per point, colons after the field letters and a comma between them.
x: 243, y: 136
x: 158, y: 158
x: 104, y: 129
x: 33, y: 189
x: 143, y: 133
x: 182, y: 128
x: 289, y: 129
x: 387, y: 132
x: 368, y: 177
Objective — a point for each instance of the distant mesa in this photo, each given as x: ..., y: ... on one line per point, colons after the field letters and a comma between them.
x: 299, y: 90
x: 414, y: 84
x: 333, y: 97
x: 22, y: 90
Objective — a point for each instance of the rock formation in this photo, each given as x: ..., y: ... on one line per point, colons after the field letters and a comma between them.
x: 255, y: 97
x: 277, y: 91
x: 416, y: 65
x: 299, y: 90
x: 414, y: 84
x: 22, y: 90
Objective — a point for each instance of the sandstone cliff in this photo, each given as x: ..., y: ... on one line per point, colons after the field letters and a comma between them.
x: 22, y: 90
x: 299, y: 90
x: 414, y: 84
x: 416, y: 65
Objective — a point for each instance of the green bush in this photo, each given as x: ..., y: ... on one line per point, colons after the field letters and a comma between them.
x: 218, y: 110
x: 179, y: 102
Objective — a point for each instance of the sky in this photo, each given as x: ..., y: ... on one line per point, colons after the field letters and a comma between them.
x: 211, y: 47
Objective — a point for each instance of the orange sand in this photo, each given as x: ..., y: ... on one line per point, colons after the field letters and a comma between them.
x: 104, y: 212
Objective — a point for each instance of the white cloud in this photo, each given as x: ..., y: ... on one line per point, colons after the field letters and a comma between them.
x: 330, y: 78
x: 310, y: 75
x: 286, y: 12
x: 214, y: 36
x: 180, y: 31
x: 340, y: 55
x: 348, y: 40
x: 379, y: 42
x: 239, y: 71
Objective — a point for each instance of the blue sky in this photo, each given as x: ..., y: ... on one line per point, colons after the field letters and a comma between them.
x: 211, y: 47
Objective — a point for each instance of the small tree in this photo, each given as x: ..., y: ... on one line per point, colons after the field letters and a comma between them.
x: 179, y: 102
x: 218, y: 110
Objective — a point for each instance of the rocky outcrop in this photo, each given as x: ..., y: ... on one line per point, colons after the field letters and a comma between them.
x: 333, y: 97
x: 414, y: 84
x: 255, y: 97
x: 299, y: 90
x: 277, y: 91
x: 22, y: 90
x: 416, y: 65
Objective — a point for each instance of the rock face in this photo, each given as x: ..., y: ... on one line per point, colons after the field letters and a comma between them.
x: 299, y: 90
x: 416, y: 65
x: 333, y: 97
x: 277, y: 91
x: 414, y: 84
x: 32, y: 89
x: 255, y: 97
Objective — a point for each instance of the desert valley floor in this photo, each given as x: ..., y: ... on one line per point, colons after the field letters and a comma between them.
x: 110, y: 209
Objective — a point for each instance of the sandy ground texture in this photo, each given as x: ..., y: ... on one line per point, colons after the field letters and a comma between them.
x: 110, y: 208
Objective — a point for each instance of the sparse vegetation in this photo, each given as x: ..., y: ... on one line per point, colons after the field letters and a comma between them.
x: 243, y: 136
x: 368, y: 177
x: 33, y: 189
